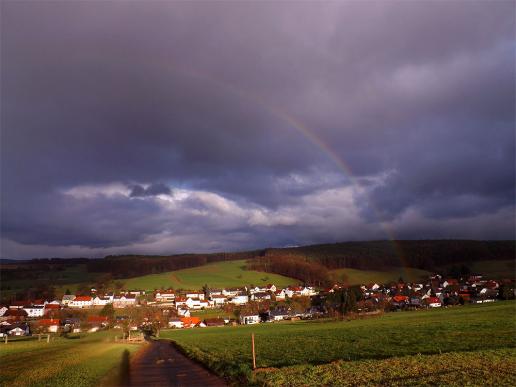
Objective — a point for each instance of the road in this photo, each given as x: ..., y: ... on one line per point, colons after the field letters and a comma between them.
x: 161, y: 364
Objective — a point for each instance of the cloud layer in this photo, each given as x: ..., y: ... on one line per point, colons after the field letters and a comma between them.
x: 163, y: 127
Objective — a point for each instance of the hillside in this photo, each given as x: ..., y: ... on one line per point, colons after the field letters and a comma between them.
x: 215, y: 275
x: 359, y: 277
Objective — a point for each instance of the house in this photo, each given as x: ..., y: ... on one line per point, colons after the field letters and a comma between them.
x: 280, y: 294
x: 260, y: 296
x: 3, y: 309
x: 34, y: 311
x: 13, y: 315
x: 249, y: 318
x: 97, y: 322
x: 184, y: 312
x: 124, y: 301
x: 81, y: 302
x: 49, y: 308
x: 231, y: 292
x: 190, y: 322
x: 19, y: 304
x: 218, y: 299
x: 195, y: 295
x: 21, y: 330
x: 271, y: 288
x: 175, y: 323
x: 214, y: 322
x: 49, y: 324
x: 278, y: 315
x: 165, y: 296
x: 102, y: 300
x: 239, y: 299
x: 67, y: 298
x: 433, y: 302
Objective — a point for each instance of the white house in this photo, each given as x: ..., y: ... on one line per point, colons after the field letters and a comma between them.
x: 34, y: 311
x: 249, y: 319
x: 81, y: 302
x: 164, y: 296
x: 219, y: 299
x: 102, y: 301
x: 239, y: 299
x: 175, y: 323
x: 67, y: 298
x: 195, y: 296
x: 124, y: 301
x: 17, y: 332
x: 280, y: 294
x: 231, y: 292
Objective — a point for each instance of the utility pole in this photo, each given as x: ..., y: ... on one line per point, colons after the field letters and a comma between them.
x: 254, y: 353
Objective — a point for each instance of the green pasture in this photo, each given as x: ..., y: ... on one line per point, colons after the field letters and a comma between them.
x: 215, y: 275
x: 476, y: 368
x: 80, y: 360
x: 469, y: 328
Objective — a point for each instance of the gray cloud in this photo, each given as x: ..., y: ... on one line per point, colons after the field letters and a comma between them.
x: 266, y: 105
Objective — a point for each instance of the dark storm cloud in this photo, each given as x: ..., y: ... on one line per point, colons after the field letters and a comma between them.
x: 417, y: 99
x: 152, y: 190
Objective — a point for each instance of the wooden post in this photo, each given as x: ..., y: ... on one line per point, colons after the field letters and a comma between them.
x: 5, y: 341
x: 254, y: 354
x: 48, y: 338
x: 39, y: 336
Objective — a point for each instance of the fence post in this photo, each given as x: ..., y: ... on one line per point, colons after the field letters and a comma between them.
x: 5, y: 341
x: 48, y: 338
x: 254, y: 353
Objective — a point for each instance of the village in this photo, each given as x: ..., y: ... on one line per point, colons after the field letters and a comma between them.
x: 134, y: 310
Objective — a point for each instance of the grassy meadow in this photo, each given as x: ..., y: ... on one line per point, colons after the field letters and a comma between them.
x: 81, y: 360
x: 394, y: 336
x: 216, y: 275
x: 359, y: 277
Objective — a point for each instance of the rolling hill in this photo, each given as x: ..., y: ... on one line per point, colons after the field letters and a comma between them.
x: 215, y: 275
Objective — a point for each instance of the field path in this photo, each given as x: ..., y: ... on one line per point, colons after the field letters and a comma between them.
x: 161, y: 364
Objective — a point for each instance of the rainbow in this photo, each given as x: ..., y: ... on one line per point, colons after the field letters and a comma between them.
x: 301, y: 128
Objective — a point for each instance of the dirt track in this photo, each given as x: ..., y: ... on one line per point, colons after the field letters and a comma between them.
x: 161, y: 364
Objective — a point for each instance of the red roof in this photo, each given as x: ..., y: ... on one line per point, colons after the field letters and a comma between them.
x: 52, y: 306
x: 180, y: 299
x: 399, y: 298
x: 49, y: 321
x: 190, y: 320
x: 82, y: 298
x: 433, y: 300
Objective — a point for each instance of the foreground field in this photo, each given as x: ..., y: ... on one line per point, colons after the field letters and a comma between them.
x: 359, y: 277
x: 476, y: 368
x: 396, y: 335
x: 78, y: 361
x: 215, y: 275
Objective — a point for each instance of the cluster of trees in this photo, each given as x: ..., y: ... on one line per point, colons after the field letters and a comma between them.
x: 310, y: 272
x: 424, y: 254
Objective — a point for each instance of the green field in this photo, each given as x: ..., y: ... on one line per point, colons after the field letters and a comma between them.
x: 82, y: 360
x: 395, y: 335
x: 215, y: 275
x: 362, y: 277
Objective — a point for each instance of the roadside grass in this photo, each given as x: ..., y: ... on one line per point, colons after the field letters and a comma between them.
x: 478, y: 368
x: 215, y: 275
x: 83, y: 361
x: 227, y: 350
x: 359, y: 277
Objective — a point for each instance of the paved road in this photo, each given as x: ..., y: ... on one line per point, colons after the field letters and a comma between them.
x: 161, y: 364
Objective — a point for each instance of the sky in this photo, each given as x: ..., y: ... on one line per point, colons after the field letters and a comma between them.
x: 169, y: 127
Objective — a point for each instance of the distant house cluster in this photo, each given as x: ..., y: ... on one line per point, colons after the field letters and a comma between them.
x: 270, y: 303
